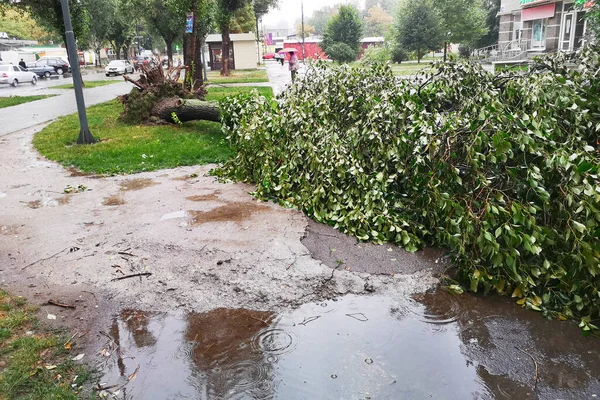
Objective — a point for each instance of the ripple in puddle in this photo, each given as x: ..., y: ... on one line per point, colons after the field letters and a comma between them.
x: 397, y: 351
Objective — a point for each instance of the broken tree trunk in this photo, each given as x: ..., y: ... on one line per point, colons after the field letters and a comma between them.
x: 186, y: 110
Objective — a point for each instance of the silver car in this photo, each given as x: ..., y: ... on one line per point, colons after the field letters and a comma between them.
x: 14, y: 74
x: 118, y: 67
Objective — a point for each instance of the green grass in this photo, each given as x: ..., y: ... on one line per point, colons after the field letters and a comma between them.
x: 16, y: 100
x: 129, y: 148
x: 512, y: 67
x: 239, y: 76
x: 409, y: 68
x: 218, y: 93
x: 88, y: 84
x: 26, y: 351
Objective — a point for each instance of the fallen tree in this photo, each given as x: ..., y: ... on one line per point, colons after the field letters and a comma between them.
x: 159, y: 96
x: 502, y: 170
x: 186, y: 110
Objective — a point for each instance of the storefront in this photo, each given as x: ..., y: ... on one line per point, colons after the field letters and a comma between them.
x: 542, y: 26
x: 242, y: 51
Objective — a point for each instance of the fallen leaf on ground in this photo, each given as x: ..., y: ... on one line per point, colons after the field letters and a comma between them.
x: 78, y: 357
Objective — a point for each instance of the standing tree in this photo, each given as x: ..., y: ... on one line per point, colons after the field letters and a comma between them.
x: 418, y: 28
x: 344, y: 27
x: 226, y: 10
x: 49, y: 14
x: 592, y: 16
x: 166, y: 18
x: 261, y: 7
x: 377, y: 21
x: 121, y: 31
x: 492, y: 23
x: 308, y: 30
x: 100, y: 12
x: 20, y: 25
x: 463, y: 21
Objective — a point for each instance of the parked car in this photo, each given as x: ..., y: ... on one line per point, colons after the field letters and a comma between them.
x: 42, y: 70
x: 60, y: 66
x: 269, y: 56
x: 118, y: 67
x: 13, y: 74
x: 141, y: 60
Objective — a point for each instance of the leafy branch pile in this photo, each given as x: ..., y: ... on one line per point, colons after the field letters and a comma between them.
x: 500, y: 169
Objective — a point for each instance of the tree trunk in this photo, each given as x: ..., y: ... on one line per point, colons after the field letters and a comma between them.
x: 419, y: 56
x: 185, y: 50
x: 186, y: 110
x: 170, y: 52
x: 198, y: 79
x: 118, y: 50
x: 445, y: 50
x: 225, y: 50
x: 257, y: 44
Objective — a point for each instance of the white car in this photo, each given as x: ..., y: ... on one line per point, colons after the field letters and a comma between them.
x: 118, y: 67
x: 14, y: 74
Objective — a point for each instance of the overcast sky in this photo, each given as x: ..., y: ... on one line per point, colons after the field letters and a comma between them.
x: 289, y: 11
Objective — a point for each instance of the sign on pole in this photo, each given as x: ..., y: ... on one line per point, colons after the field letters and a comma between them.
x: 189, y: 23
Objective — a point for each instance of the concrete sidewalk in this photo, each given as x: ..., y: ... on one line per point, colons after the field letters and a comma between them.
x: 23, y: 116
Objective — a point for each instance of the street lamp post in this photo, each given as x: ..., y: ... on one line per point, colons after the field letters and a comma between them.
x: 85, y: 136
x: 302, y: 9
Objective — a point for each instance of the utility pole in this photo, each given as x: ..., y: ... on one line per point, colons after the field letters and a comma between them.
x: 85, y: 136
x: 302, y: 9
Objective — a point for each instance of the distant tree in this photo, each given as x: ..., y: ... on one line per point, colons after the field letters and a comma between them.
x: 377, y: 21
x: 244, y: 20
x: 344, y: 27
x: 309, y: 30
x: 261, y: 8
x: 100, y: 12
x: 48, y: 13
x: 121, y: 31
x: 320, y: 17
x: 19, y: 24
x: 492, y: 23
x: 463, y: 21
x: 226, y: 10
x: 166, y: 18
x: 418, y: 28
x: 388, y: 5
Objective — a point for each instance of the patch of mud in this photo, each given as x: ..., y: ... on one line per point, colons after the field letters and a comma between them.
x: 49, y: 202
x: 114, y: 200
x: 185, y: 177
x: 338, y: 250
x: 64, y: 200
x: 205, y: 197
x: 9, y: 230
x: 35, y: 204
x: 231, y: 212
x: 136, y: 184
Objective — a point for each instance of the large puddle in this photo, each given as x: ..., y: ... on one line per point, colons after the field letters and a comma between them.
x: 434, y: 346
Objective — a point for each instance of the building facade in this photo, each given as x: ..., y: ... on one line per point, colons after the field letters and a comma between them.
x: 536, y: 26
x: 243, y: 51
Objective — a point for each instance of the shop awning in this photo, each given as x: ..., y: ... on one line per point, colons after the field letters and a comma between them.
x: 539, y: 12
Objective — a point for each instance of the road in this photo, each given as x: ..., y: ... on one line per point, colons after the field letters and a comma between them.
x: 63, y: 103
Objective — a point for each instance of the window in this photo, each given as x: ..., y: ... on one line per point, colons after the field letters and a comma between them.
x: 15, y: 68
x: 538, y: 38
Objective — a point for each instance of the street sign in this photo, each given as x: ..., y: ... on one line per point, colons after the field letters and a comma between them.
x: 189, y: 23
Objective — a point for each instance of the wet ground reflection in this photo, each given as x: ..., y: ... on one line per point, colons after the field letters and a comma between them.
x: 432, y: 346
